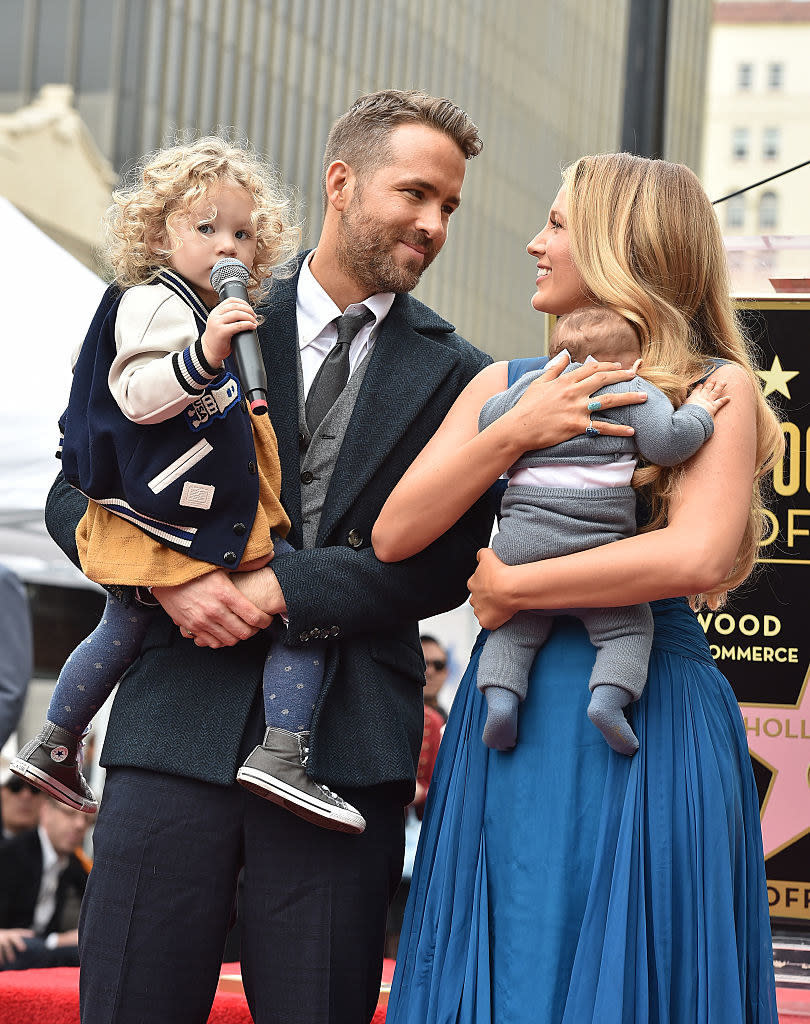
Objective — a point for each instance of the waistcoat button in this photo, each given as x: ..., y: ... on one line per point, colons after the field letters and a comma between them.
x: 307, y: 477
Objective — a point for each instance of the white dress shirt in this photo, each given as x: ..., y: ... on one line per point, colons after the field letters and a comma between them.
x: 315, y: 314
x: 52, y: 867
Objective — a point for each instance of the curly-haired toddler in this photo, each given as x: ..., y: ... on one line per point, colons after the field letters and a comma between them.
x: 182, y: 478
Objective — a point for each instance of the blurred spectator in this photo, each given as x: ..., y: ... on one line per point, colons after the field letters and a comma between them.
x: 436, y: 673
x: 20, y: 803
x: 43, y: 875
x: 15, y: 651
x: 16, y: 666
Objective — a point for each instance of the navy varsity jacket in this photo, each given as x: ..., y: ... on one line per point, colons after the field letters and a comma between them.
x: 190, y: 482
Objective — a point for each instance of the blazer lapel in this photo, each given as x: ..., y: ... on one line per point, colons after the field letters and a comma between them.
x: 405, y: 370
x: 278, y: 338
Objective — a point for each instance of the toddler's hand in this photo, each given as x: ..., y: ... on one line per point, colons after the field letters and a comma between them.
x: 710, y: 395
x: 228, y: 318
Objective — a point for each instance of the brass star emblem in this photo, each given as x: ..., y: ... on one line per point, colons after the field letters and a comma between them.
x: 776, y: 379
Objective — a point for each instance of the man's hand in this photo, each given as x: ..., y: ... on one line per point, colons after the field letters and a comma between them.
x: 12, y: 942
x: 261, y: 587
x: 211, y: 611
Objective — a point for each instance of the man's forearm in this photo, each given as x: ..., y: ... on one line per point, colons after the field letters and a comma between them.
x: 337, y: 588
x: 64, y: 508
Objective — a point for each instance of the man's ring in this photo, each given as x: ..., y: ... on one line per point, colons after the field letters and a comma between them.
x: 594, y: 405
x: 190, y: 636
x: 591, y: 430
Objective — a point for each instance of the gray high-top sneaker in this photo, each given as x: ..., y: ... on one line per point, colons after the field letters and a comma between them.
x: 277, y: 771
x: 51, y: 762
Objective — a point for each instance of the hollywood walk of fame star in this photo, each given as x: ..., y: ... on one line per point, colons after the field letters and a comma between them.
x: 779, y: 737
x: 776, y: 379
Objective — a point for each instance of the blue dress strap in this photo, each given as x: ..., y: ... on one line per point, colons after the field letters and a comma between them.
x: 712, y: 365
x: 517, y: 367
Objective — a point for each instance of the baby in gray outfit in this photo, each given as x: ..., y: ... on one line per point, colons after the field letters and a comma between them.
x: 577, y: 495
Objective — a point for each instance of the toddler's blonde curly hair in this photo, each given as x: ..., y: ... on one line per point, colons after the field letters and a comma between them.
x: 164, y: 187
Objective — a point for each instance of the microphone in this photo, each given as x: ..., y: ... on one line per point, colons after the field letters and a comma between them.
x: 229, y: 279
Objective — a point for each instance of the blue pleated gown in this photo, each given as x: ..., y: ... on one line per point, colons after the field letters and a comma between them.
x: 562, y: 883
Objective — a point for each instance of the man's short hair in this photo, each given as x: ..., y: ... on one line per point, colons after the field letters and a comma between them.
x: 360, y: 137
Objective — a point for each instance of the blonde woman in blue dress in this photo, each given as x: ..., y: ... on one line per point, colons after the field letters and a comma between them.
x: 561, y: 881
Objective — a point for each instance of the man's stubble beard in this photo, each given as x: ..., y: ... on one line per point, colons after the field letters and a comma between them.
x: 365, y: 253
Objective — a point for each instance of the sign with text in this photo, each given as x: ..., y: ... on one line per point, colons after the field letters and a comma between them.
x: 761, y: 638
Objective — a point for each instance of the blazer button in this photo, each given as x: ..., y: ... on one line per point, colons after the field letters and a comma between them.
x: 303, y: 440
x: 334, y: 631
x: 239, y: 529
x: 355, y: 539
x: 315, y: 633
x: 303, y: 637
x: 252, y: 468
x: 307, y: 477
x: 229, y: 557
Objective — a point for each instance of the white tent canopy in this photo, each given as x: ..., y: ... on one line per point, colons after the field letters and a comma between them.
x: 48, y: 301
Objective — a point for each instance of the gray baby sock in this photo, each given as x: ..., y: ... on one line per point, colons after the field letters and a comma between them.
x: 500, y: 731
x: 605, y: 711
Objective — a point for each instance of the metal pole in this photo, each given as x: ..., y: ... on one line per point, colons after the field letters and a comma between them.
x: 645, y: 78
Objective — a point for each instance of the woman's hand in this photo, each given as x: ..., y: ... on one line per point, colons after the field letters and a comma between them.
x: 554, y: 408
x: 488, y: 591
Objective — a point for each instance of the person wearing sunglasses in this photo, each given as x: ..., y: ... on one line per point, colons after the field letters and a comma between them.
x: 436, y: 672
x: 19, y: 804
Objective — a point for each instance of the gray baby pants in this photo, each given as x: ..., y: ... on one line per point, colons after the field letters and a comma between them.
x: 544, y: 522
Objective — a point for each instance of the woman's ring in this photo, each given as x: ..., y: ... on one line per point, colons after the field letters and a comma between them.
x: 594, y: 404
x: 591, y: 430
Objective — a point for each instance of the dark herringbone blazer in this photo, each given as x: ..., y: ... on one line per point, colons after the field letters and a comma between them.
x: 183, y: 710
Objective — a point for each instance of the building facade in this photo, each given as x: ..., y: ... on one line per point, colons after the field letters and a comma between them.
x: 758, y: 115
x: 543, y: 81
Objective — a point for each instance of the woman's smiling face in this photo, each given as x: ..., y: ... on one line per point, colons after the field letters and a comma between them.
x: 560, y: 288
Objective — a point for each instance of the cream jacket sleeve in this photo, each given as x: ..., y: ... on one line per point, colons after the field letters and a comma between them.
x: 153, y: 323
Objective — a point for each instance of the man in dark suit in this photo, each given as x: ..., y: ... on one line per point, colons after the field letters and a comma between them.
x: 42, y: 882
x: 174, y: 830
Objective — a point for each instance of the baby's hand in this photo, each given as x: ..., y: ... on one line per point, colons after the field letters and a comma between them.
x: 228, y: 318
x: 710, y: 395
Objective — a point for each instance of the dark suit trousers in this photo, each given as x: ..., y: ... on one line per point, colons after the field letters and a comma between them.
x: 167, y: 853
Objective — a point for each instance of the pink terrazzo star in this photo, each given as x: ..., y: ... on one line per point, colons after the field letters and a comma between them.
x: 779, y: 737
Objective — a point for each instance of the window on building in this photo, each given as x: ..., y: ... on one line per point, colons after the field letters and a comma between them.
x: 776, y: 72
x: 735, y: 213
x: 768, y: 211
x: 770, y: 143
x: 745, y: 76
x: 739, y: 143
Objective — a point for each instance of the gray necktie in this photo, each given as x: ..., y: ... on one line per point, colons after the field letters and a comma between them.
x: 331, y: 378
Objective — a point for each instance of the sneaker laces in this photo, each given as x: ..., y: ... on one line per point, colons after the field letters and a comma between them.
x: 333, y: 796
x: 304, y: 748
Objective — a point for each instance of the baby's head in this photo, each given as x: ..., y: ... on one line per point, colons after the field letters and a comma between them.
x: 595, y: 331
x: 174, y: 188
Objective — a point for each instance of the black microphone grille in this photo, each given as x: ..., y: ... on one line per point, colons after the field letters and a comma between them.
x: 228, y: 269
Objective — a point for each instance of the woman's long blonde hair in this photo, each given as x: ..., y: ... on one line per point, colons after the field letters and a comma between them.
x: 646, y: 241
x: 164, y: 187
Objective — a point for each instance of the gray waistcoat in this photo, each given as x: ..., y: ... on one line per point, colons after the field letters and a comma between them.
x: 318, y: 460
